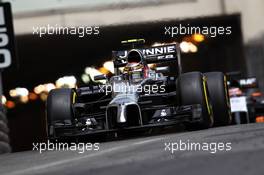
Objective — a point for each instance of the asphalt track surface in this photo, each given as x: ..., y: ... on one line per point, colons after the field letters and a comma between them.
x: 147, y: 155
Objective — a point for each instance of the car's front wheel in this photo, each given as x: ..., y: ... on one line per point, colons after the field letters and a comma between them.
x: 192, y: 89
x: 59, y: 108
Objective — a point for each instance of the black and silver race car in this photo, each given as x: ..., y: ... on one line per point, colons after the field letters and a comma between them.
x: 138, y: 96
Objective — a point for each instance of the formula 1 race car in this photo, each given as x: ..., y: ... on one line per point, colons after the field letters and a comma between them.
x: 247, y: 102
x: 140, y: 97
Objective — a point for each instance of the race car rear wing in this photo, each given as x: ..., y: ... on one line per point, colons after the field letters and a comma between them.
x: 250, y: 82
x: 156, y: 54
x: 235, y: 78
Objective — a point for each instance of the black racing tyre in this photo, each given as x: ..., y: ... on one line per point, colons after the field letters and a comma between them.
x: 4, y: 147
x: 59, y: 107
x: 4, y: 137
x: 3, y: 117
x: 192, y: 89
x: 218, y: 91
x: 4, y: 127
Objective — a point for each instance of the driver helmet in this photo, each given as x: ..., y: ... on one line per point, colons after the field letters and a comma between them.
x: 135, y: 68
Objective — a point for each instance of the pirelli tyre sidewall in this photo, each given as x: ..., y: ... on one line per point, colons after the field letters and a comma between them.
x: 59, y: 108
x: 217, y: 85
x: 192, y: 89
x: 4, y: 139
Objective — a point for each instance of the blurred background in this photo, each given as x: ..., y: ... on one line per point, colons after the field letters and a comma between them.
x: 54, y: 61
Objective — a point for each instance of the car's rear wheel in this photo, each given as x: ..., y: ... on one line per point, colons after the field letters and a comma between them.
x: 59, y: 108
x: 192, y: 89
x: 218, y: 91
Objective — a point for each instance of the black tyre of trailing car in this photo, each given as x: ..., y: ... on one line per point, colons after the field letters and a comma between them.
x: 4, y: 139
x: 59, y: 108
x: 193, y: 89
x: 218, y: 91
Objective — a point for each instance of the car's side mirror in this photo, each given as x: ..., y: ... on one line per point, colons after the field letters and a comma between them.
x: 100, y: 77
